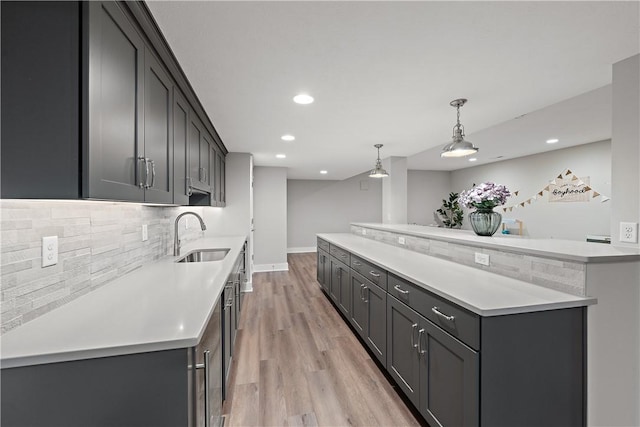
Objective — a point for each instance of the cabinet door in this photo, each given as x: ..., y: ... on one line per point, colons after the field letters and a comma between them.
x: 449, y: 386
x: 227, y: 337
x: 336, y: 273
x: 358, y: 313
x: 158, y: 138
x: 198, y: 155
x: 211, y: 341
x: 376, y: 332
x: 319, y: 268
x: 115, y: 101
x: 403, y: 360
x: 180, y: 149
x: 214, y: 172
x: 344, y: 290
x: 205, y: 160
x: 223, y: 180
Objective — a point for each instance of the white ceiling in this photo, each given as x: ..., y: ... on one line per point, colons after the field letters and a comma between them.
x: 385, y: 72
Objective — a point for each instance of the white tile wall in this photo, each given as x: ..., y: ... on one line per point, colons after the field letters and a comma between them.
x: 97, y: 242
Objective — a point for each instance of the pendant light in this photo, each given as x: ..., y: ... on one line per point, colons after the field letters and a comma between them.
x: 378, y: 172
x: 458, y: 147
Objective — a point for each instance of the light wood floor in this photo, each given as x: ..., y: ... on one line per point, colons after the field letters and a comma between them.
x: 298, y: 364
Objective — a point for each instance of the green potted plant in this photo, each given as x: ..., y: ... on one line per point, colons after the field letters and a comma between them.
x: 450, y: 212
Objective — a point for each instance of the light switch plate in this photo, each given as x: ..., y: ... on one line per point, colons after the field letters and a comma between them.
x: 401, y: 240
x: 49, y: 251
x: 482, y: 259
x: 364, y: 231
x: 145, y: 232
x: 629, y: 232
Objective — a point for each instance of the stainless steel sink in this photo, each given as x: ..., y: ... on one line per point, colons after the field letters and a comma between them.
x: 205, y: 255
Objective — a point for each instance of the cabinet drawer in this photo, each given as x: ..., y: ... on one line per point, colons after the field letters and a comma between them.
x: 339, y: 253
x: 323, y: 245
x: 454, y: 319
x: 371, y: 271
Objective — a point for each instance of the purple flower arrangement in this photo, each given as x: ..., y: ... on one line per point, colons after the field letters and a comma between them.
x: 487, y: 195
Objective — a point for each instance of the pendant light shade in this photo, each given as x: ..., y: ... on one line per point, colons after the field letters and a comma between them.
x: 459, y: 147
x: 378, y: 171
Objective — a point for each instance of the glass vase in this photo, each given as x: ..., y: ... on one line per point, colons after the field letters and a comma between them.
x: 485, y: 222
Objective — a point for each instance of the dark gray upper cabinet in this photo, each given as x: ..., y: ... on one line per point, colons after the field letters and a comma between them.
x: 180, y: 149
x: 158, y: 132
x: 199, y: 147
x: 40, y: 108
x: 114, y: 149
x: 87, y: 97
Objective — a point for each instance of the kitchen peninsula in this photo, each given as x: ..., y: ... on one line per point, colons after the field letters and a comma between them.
x: 526, y: 276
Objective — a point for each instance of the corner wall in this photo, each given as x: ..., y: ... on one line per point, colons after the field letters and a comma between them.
x: 270, y: 219
x: 425, y: 191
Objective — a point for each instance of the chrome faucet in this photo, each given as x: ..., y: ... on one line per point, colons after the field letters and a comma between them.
x: 176, y: 241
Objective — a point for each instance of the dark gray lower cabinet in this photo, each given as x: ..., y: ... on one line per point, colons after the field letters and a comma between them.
x: 324, y: 271
x: 340, y: 285
x: 368, y: 314
x: 449, y: 378
x: 456, y: 367
x: 160, y: 388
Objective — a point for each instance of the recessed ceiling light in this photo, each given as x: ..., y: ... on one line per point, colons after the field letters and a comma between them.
x: 281, y: 156
x: 303, y: 99
x: 323, y: 172
x: 288, y: 137
x: 552, y: 140
x: 473, y: 159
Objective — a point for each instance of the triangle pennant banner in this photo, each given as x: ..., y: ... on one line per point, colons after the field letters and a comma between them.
x: 546, y: 188
x: 575, y: 178
x: 595, y: 194
x: 540, y: 193
x: 559, y: 177
x: 568, y: 172
x: 516, y: 192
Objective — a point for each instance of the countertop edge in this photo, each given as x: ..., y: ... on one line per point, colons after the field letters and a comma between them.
x: 530, y: 308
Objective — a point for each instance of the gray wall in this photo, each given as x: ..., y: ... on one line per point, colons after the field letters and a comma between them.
x: 625, y: 150
x: 321, y: 206
x: 270, y: 218
x: 425, y: 191
x: 530, y: 174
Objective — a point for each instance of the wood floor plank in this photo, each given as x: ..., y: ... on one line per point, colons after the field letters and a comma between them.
x: 298, y: 363
x: 272, y: 406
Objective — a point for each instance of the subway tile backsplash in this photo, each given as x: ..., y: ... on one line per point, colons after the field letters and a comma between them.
x: 97, y: 242
x: 564, y: 276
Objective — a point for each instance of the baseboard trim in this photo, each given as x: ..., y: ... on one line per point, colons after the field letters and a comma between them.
x: 301, y: 250
x: 261, y: 268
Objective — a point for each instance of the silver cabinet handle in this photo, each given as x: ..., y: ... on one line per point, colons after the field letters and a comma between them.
x: 420, y: 335
x: 441, y: 314
x: 366, y: 288
x: 343, y: 255
x: 201, y: 174
x: 229, y: 303
x: 142, y: 183
x: 357, y: 264
x: 153, y: 174
x: 413, y: 341
x: 188, y: 183
x: 207, y: 379
x: 374, y: 274
x: 361, y: 296
x: 399, y: 289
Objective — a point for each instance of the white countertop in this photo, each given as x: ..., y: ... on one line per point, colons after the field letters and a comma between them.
x: 568, y: 250
x: 481, y: 292
x: 163, y: 305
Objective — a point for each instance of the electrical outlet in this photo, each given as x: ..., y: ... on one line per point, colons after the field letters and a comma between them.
x: 364, y: 231
x: 145, y: 232
x: 629, y: 232
x: 49, y: 251
x: 482, y: 259
x: 401, y: 240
